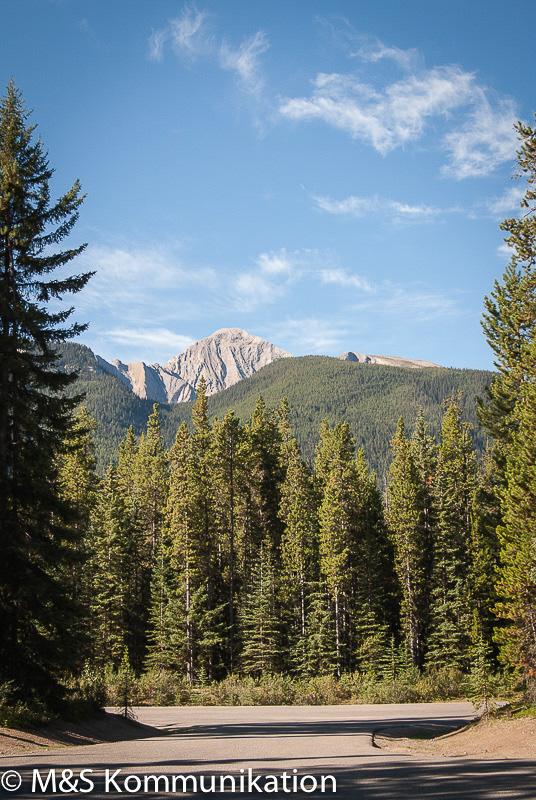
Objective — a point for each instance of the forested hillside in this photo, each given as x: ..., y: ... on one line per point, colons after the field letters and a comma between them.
x: 369, y: 397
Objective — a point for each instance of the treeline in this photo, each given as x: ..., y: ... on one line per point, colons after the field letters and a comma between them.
x: 370, y: 397
x: 228, y: 555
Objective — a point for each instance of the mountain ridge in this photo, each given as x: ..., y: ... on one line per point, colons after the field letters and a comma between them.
x: 370, y: 397
x: 224, y: 358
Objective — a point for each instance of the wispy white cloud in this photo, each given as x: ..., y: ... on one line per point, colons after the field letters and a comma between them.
x: 148, y: 338
x: 414, y: 303
x: 365, y: 47
x: 506, y: 203
x: 504, y: 251
x: 187, y: 34
x: 245, y: 61
x: 484, y: 141
x: 191, y: 36
x: 277, y: 271
x: 342, y: 278
x: 276, y: 262
x: 274, y: 272
x: 254, y: 289
x: 309, y: 334
x: 133, y: 281
x: 371, y: 49
x: 385, y: 118
x: 393, y: 210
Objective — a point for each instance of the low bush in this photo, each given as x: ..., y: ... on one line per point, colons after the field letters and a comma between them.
x: 161, y: 687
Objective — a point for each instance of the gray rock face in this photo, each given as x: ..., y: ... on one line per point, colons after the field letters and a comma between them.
x: 222, y: 359
x: 389, y: 361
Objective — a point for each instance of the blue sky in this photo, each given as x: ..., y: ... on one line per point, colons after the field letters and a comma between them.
x: 328, y: 174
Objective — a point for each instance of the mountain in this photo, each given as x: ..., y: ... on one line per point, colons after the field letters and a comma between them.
x: 223, y: 359
x: 370, y: 397
x: 388, y: 361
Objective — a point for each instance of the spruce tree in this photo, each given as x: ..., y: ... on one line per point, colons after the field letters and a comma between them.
x: 36, y: 612
x: 114, y: 591
x: 452, y: 599
x: 509, y: 416
x: 186, y: 552
x: 151, y: 479
x: 334, y: 458
x: 299, y: 513
x: 78, y: 485
x: 405, y: 519
x: 517, y: 571
x: 229, y: 486
x: 259, y: 623
x: 509, y: 322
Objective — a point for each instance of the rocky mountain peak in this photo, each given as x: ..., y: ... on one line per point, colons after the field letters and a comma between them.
x: 223, y: 359
x: 389, y: 361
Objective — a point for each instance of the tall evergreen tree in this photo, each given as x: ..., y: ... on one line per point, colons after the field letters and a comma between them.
x: 406, y: 525
x: 151, y: 479
x: 114, y: 600
x: 78, y: 486
x: 265, y: 471
x: 517, y: 572
x: 335, y: 466
x: 452, y: 599
x: 509, y: 416
x: 299, y: 550
x: 36, y: 613
x: 229, y: 476
x: 509, y: 322
x: 353, y: 546
x: 186, y: 553
x: 259, y: 623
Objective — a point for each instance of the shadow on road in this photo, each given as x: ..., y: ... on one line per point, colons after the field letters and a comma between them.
x: 231, y: 730
x: 400, y: 779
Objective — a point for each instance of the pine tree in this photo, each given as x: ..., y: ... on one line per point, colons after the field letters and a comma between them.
x: 151, y: 479
x: 334, y: 458
x: 509, y: 322
x: 204, y: 522
x: 265, y: 473
x: 185, y: 550
x: 36, y: 612
x: 78, y: 486
x: 298, y: 511
x: 163, y: 636
x: 373, y: 606
x: 128, y: 479
x: 113, y: 590
x: 517, y: 571
x: 452, y: 600
x: 509, y: 415
x: 229, y: 482
x: 259, y: 624
x: 405, y: 518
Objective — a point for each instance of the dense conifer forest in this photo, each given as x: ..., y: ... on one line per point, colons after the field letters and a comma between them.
x: 229, y: 552
x: 370, y: 397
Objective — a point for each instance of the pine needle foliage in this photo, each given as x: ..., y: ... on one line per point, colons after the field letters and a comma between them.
x: 37, y: 527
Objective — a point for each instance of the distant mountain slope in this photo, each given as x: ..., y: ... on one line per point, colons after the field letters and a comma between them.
x: 370, y: 397
x: 108, y: 400
x: 388, y: 361
x: 223, y: 359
